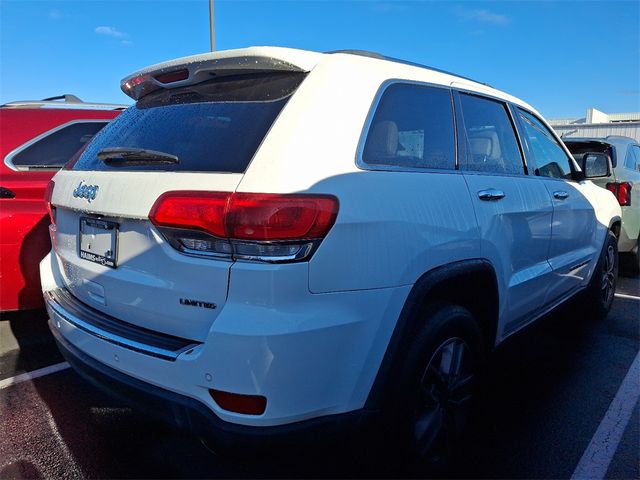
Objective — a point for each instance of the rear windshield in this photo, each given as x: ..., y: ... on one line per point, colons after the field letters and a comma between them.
x: 578, y: 149
x: 214, y: 126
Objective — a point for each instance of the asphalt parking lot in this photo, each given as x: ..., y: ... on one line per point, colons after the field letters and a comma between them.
x: 550, y: 395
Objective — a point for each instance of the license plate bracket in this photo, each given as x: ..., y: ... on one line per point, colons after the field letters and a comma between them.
x: 98, y: 241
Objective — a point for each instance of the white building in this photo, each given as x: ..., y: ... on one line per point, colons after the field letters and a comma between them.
x: 599, y: 124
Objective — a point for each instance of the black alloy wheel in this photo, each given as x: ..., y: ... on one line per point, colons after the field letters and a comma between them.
x: 445, y: 399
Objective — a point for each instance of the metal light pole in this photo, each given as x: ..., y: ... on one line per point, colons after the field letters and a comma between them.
x: 212, y: 27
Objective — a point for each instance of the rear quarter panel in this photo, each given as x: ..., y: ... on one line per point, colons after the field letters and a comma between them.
x: 391, y: 226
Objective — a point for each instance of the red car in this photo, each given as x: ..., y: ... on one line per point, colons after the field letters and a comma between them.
x: 36, y: 139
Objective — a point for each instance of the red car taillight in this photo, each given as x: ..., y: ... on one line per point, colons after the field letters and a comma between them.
x: 48, y: 193
x: 194, y: 210
x: 622, y: 192
x: 254, y: 226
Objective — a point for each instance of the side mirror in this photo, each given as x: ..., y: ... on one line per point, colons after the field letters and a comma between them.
x: 596, y: 165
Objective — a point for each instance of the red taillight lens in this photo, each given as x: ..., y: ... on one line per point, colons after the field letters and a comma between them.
x: 48, y: 194
x: 622, y: 192
x: 265, y: 217
x: 254, y: 226
x: 195, y: 210
x: 235, y: 402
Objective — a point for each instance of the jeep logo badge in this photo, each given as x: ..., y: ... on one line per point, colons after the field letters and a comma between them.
x: 86, y: 191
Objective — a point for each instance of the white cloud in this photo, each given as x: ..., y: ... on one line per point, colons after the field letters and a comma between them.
x: 484, y: 16
x: 110, y: 32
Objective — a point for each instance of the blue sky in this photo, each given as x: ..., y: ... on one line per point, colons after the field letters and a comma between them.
x: 560, y: 56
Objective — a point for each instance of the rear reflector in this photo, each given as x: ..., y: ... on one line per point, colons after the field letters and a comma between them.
x: 622, y: 192
x: 235, y: 402
x: 48, y: 194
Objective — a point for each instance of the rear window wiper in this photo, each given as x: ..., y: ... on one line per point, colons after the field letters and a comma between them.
x: 135, y: 156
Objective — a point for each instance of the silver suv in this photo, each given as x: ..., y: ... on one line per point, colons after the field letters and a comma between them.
x: 624, y: 183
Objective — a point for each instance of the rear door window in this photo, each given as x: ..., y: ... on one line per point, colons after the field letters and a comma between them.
x: 56, y: 148
x: 491, y: 143
x: 412, y: 127
x: 214, y: 126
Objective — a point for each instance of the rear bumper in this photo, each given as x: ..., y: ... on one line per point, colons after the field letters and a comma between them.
x: 312, y: 356
x: 191, y: 415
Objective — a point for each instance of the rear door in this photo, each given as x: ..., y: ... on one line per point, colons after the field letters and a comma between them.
x: 114, y: 259
x: 573, y: 234
x: 513, y: 209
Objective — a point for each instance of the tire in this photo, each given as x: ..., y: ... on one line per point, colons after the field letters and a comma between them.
x: 437, y: 386
x: 599, y: 295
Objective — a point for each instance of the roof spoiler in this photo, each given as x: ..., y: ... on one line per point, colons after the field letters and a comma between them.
x: 199, y: 68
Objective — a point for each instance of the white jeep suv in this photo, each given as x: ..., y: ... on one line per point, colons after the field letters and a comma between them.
x: 274, y: 241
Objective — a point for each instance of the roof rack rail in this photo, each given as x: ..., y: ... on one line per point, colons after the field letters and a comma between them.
x: 362, y: 53
x: 379, y: 56
x: 63, y: 101
x: 67, y: 97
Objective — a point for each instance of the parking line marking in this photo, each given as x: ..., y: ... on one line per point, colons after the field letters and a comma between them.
x: 41, y: 372
x: 598, y: 455
x: 628, y: 297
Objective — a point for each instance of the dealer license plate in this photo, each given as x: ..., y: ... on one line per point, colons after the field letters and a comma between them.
x: 98, y: 241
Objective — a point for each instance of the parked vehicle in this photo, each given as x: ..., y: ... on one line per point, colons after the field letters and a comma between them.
x: 624, y: 183
x: 275, y: 241
x: 36, y: 139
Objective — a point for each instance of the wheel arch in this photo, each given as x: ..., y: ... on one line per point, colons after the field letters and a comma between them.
x: 456, y: 283
x: 615, y: 225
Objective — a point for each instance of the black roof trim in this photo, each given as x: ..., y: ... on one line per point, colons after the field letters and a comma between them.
x: 379, y: 56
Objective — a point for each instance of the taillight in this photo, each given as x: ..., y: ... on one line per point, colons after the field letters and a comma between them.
x: 250, y: 226
x: 48, y: 193
x: 266, y: 217
x: 195, y: 210
x: 622, y: 192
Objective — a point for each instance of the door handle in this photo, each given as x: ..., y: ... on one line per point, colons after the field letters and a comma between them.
x: 560, y: 195
x: 490, y: 194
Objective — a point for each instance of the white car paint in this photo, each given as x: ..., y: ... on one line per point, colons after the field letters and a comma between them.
x: 311, y: 336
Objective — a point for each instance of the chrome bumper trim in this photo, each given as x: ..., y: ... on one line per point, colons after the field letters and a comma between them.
x: 166, y: 347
